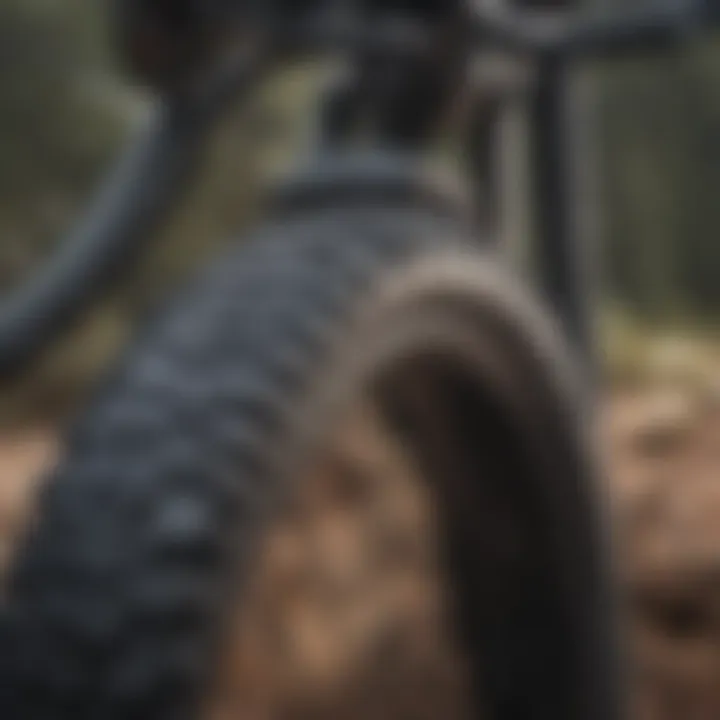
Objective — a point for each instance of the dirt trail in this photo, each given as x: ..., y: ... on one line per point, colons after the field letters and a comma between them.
x: 663, y: 455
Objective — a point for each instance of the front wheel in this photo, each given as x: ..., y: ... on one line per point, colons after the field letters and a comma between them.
x: 344, y: 478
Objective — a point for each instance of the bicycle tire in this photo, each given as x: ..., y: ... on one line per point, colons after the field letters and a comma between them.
x: 145, y: 534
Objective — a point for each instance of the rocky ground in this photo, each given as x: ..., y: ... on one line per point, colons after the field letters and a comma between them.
x: 663, y: 454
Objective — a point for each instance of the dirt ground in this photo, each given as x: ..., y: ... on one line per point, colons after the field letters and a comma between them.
x: 663, y: 452
x: 663, y: 456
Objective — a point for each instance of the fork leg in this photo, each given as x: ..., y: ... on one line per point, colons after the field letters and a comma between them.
x: 564, y: 252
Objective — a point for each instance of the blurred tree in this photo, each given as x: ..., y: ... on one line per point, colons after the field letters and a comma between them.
x: 57, y: 122
x: 661, y: 128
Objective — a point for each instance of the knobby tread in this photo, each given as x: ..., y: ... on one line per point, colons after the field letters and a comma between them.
x: 112, y: 603
x: 146, y: 530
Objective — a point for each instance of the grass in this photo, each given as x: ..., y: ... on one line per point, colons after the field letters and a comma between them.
x: 640, y: 354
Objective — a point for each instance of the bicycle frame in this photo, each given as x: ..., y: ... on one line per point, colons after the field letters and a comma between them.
x: 153, y: 171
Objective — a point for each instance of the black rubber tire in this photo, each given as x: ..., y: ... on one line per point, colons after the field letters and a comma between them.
x: 115, y: 601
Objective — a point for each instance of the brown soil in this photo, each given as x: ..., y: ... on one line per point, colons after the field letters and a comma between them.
x: 663, y: 453
x: 24, y: 456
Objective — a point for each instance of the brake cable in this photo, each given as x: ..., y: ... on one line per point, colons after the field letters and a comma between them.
x: 151, y: 173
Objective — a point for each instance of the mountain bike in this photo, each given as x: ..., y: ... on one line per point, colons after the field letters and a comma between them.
x: 347, y: 473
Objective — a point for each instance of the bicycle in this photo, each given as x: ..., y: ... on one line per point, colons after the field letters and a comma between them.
x: 347, y: 474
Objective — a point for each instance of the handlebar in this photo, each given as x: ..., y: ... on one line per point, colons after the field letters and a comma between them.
x: 637, y: 31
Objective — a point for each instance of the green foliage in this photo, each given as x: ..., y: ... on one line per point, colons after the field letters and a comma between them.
x: 56, y: 126
x: 661, y: 142
x: 637, y: 354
